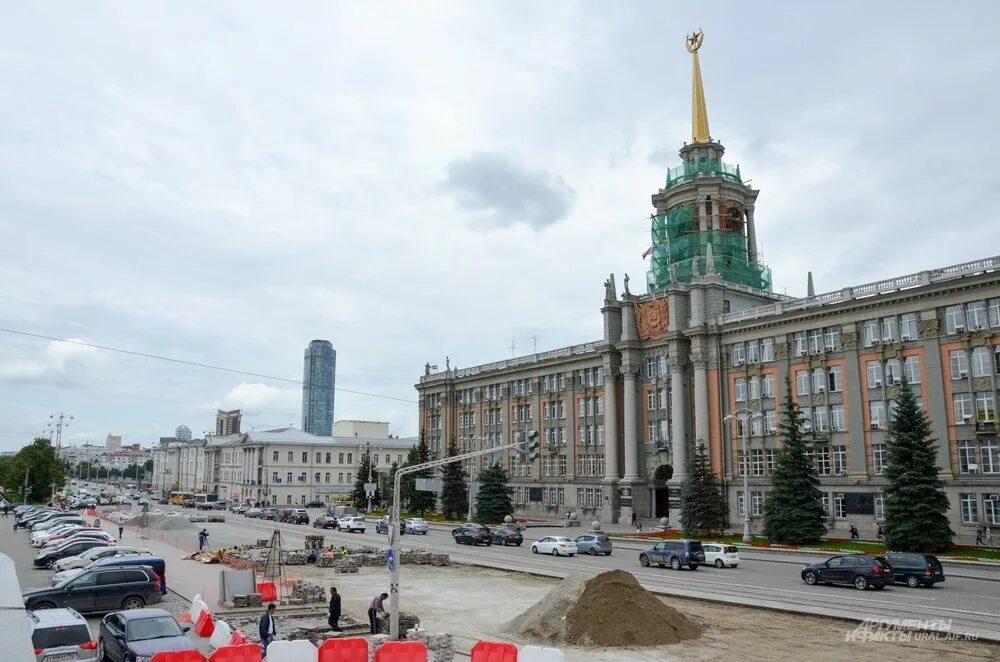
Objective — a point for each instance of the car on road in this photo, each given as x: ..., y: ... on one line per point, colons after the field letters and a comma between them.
x: 84, y: 534
x: 49, y: 534
x: 352, y: 523
x: 720, y: 555
x: 593, y: 544
x: 675, y: 553
x: 297, y: 516
x: 85, y: 559
x: 324, y: 522
x: 238, y: 508
x: 415, y: 525
x: 253, y: 513
x: 554, y: 545
x: 127, y: 636
x: 472, y: 533
x: 506, y: 537
x: 382, y: 526
x: 861, y: 571
x: 48, y: 557
x: 315, y: 504
x: 270, y: 513
x: 59, y: 635
x: 915, y: 569
x: 99, y: 590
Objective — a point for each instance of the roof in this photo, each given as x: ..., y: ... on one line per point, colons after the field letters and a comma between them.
x: 146, y: 612
x: 300, y: 437
x: 62, y: 616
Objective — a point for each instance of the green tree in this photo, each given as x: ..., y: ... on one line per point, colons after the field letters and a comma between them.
x: 418, y: 500
x: 703, y: 507
x: 793, y: 513
x: 454, y: 490
x: 359, y: 495
x: 916, y: 507
x: 45, y: 469
x: 493, y: 500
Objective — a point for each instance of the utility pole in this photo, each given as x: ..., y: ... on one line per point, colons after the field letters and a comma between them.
x: 24, y: 492
x: 59, y: 421
x: 534, y: 344
x: 513, y: 349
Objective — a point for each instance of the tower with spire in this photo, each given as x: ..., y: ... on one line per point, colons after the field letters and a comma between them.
x: 704, y: 209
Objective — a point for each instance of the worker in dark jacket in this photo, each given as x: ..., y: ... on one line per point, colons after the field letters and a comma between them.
x: 334, y: 619
x: 268, y: 627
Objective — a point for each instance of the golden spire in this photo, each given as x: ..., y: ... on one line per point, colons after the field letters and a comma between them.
x: 699, y: 113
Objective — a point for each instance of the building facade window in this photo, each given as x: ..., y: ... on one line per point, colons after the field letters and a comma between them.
x: 879, y: 502
x: 980, y: 362
x: 756, y: 503
x: 970, y: 514
x: 878, y: 459
x: 870, y: 333
x: 985, y: 409
x: 908, y: 326
x: 975, y: 315
x: 876, y: 414
x: 962, y: 403
x: 839, y: 506
x: 911, y: 369
x: 874, y: 370
x: 954, y: 319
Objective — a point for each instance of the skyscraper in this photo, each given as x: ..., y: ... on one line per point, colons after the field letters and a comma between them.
x: 319, y: 377
x: 183, y: 433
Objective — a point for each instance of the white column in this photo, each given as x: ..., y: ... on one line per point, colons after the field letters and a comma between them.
x: 631, y: 424
x: 678, y: 406
x: 700, y: 399
x: 610, y: 428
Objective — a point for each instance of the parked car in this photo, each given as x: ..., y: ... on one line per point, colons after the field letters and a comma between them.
x: 219, y: 505
x: 915, y: 569
x: 253, y: 513
x: 59, y: 635
x: 382, y: 526
x: 85, y: 534
x: 352, y: 523
x: 270, y: 513
x: 48, y: 534
x: 593, y: 544
x: 48, y: 557
x: 554, y: 545
x: 297, y: 516
x: 324, y: 522
x: 414, y: 525
x: 858, y: 570
x: 675, y: 553
x: 239, y: 508
x: 471, y: 533
x: 721, y: 556
x: 315, y: 504
x: 84, y: 559
x: 506, y: 537
x: 127, y: 636
x: 99, y: 590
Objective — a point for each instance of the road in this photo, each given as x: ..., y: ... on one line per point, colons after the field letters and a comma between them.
x: 970, y: 598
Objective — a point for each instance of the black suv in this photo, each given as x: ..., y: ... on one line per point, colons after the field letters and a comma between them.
x: 100, y: 590
x: 472, y: 534
x: 297, y: 516
x: 857, y: 570
x: 140, y: 634
x: 915, y: 569
x: 675, y: 553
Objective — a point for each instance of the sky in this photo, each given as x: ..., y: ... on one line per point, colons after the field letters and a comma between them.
x: 222, y: 182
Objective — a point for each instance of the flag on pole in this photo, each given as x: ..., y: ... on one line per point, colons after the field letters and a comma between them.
x: 648, y: 251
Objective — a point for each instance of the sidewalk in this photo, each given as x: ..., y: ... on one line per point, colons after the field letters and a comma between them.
x: 186, y: 578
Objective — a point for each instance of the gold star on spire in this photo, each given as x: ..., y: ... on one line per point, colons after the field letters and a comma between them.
x: 699, y: 112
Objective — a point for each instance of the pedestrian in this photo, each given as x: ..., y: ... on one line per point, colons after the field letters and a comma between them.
x: 374, y: 609
x: 202, y: 539
x: 268, y: 627
x: 334, y: 619
x: 979, y: 535
x: 634, y: 519
x: 880, y: 532
x: 989, y: 537
x: 854, y: 532
x: 121, y: 530
x: 517, y: 527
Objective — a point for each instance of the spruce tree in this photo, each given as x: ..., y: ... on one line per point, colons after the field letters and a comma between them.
x: 359, y: 495
x: 493, y: 500
x: 417, y: 500
x: 703, y: 507
x: 454, y: 491
x: 793, y: 512
x: 916, y: 506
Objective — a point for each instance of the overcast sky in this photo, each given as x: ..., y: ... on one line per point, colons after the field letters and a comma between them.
x: 223, y: 182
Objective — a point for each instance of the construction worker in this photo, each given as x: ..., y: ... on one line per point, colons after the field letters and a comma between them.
x: 202, y: 539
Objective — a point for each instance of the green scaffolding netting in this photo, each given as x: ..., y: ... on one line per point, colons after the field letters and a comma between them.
x: 702, y: 166
x: 677, y: 241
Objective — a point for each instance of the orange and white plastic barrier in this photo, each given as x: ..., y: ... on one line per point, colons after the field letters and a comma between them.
x: 540, y: 654
x: 221, y: 636
x: 346, y: 649
x: 494, y: 651
x: 190, y: 655
x: 299, y: 650
x: 241, y: 653
x: 401, y: 651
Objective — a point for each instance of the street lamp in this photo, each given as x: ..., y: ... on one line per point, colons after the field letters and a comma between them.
x: 744, y: 416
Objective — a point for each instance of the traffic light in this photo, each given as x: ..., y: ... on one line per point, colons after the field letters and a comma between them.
x: 533, y: 445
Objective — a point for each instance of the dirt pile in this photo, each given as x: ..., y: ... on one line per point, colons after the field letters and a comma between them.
x: 610, y: 609
x: 166, y: 523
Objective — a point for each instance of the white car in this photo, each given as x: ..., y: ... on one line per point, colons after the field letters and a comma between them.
x: 351, y: 523
x: 554, y: 545
x: 84, y: 559
x: 721, y: 556
x: 54, y: 531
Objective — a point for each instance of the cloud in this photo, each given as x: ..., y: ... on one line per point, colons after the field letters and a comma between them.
x: 503, y: 192
x: 61, y: 363
x: 257, y: 400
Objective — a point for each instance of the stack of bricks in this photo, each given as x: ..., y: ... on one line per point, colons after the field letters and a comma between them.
x: 249, y: 600
x: 314, y: 542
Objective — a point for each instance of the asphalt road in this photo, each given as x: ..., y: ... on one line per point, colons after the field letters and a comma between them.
x: 970, y: 598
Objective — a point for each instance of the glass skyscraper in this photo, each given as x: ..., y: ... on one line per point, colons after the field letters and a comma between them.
x: 319, y: 377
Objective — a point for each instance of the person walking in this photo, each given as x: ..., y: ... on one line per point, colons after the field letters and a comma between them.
x: 202, y: 539
x: 334, y: 618
x: 979, y: 536
x: 854, y: 532
x: 635, y: 518
x: 374, y: 609
x: 880, y: 533
x: 268, y: 627
x: 121, y: 530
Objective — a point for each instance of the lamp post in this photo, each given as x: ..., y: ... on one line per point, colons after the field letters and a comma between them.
x: 744, y: 416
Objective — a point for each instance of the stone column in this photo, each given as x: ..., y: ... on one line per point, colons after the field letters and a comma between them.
x: 700, y: 362
x: 678, y: 430
x: 631, y: 424
x: 751, y: 236
x: 610, y: 427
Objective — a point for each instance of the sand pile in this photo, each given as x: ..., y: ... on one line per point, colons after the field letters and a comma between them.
x: 610, y: 609
x: 167, y: 523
